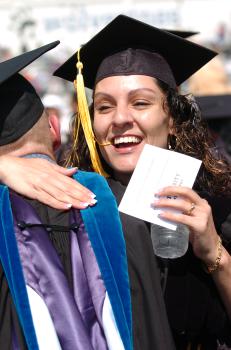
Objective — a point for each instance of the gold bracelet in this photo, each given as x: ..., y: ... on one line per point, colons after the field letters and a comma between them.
x: 215, y: 266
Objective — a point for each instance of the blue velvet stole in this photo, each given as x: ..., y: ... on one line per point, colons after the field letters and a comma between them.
x: 105, y: 233
x: 106, y: 236
x: 10, y: 260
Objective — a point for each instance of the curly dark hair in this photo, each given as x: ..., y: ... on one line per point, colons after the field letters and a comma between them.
x: 191, y: 137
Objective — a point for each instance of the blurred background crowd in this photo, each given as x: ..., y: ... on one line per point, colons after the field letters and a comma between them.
x: 28, y: 24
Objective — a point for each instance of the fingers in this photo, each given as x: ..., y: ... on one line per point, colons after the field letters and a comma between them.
x: 179, y: 198
x: 65, y: 171
x: 56, y: 181
x: 176, y: 203
x: 71, y: 186
x: 177, y: 218
x: 180, y: 191
x: 64, y: 190
x: 191, y: 209
x: 47, y: 182
x: 47, y: 199
x: 183, y: 205
x: 51, y: 201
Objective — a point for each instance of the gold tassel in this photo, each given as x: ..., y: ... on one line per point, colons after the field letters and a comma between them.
x: 85, y: 120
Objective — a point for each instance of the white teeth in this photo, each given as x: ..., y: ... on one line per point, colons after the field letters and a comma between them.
x: 126, y: 139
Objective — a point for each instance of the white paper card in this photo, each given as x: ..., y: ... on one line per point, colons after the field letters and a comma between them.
x: 156, y: 168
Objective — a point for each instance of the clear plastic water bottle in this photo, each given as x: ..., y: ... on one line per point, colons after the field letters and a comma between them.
x: 169, y: 243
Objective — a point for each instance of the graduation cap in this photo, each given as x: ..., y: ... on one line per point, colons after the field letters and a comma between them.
x: 127, y: 46
x: 215, y: 106
x: 182, y: 33
x: 182, y: 57
x: 21, y: 107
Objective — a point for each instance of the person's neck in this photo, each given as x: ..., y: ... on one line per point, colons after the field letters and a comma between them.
x: 39, y: 155
x: 124, y: 178
x: 27, y: 149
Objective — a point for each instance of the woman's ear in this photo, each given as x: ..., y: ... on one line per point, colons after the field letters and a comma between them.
x: 171, y: 126
x: 172, y: 138
x: 54, y: 125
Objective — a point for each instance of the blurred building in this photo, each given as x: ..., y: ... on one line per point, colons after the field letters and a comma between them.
x: 25, y: 24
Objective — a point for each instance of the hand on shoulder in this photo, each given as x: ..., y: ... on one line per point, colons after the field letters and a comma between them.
x: 44, y: 181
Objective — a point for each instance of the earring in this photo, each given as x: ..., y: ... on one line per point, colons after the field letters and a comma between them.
x: 171, y: 142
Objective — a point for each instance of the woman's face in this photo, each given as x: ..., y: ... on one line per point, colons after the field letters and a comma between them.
x: 128, y: 113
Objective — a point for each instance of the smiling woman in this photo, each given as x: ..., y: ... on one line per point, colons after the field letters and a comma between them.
x: 129, y: 115
x: 134, y: 79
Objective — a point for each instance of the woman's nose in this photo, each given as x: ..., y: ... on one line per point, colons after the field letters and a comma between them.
x: 122, y: 116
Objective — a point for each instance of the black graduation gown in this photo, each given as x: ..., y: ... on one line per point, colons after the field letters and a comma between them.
x: 150, y: 325
x: 195, y: 311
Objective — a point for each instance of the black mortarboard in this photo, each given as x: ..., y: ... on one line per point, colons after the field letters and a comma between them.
x: 21, y: 107
x: 125, y: 47
x: 120, y: 49
x: 215, y: 106
x: 182, y: 33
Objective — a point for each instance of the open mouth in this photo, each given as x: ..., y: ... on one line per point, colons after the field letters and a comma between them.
x: 126, y: 141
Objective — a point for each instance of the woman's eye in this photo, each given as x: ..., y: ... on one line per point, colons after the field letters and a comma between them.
x: 141, y: 103
x: 103, y: 108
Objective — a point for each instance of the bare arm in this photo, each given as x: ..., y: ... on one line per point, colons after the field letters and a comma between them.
x: 222, y: 278
x: 47, y: 182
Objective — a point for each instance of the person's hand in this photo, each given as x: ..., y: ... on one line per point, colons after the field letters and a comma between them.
x: 196, y: 213
x: 49, y: 183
